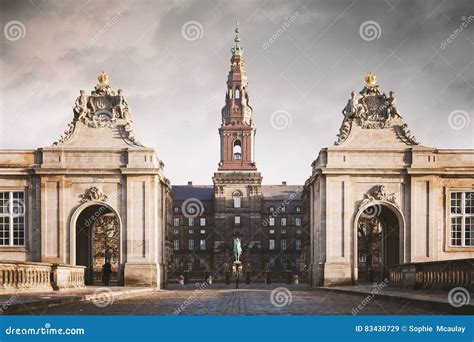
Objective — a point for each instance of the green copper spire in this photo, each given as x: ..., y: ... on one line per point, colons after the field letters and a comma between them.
x: 237, y: 49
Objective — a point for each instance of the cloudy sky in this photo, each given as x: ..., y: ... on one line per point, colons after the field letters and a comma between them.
x: 171, y: 58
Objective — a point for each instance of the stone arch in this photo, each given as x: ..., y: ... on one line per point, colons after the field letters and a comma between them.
x: 77, y: 216
x: 391, y: 254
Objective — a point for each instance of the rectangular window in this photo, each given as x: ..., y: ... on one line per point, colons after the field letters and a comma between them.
x: 176, y: 231
x: 202, y: 245
x: 461, y: 213
x: 191, y: 245
x: 176, y: 245
x: 190, y: 221
x: 237, y: 220
x: 283, y: 231
x: 202, y: 221
x: 271, y: 245
x: 298, y: 245
x: 298, y: 221
x: 176, y: 221
x: 272, y: 231
x: 190, y: 231
x: 203, y: 231
x: 283, y: 221
x: 283, y: 244
x: 237, y: 202
x: 271, y: 221
x: 12, y: 218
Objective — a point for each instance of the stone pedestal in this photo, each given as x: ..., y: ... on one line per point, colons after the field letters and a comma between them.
x: 146, y: 275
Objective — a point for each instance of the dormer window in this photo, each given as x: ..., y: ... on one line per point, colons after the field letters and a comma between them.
x: 237, y: 150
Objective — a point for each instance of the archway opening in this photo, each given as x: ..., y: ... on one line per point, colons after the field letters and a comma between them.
x: 98, y: 245
x: 378, y: 242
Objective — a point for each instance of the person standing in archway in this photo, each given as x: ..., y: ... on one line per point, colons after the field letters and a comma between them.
x: 106, y: 272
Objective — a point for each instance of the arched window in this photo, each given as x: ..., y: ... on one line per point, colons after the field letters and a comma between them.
x: 237, y: 93
x: 237, y: 150
x: 237, y: 197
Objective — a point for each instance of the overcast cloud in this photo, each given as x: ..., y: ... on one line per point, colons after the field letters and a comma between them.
x: 175, y: 82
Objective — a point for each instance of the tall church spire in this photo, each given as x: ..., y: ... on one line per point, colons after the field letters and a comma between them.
x: 237, y: 131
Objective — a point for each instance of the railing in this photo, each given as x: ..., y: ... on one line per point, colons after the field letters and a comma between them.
x: 437, y: 274
x: 67, y: 277
x: 18, y: 276
x: 27, y: 276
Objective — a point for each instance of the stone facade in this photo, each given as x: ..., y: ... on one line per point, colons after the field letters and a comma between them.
x: 96, y: 195
x: 266, y: 218
x: 269, y: 227
x: 421, y: 197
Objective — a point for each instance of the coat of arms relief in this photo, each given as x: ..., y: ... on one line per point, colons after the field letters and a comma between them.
x: 372, y: 109
x: 103, y: 108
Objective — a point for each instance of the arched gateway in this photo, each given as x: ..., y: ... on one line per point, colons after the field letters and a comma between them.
x: 379, y: 230
x: 98, y: 196
x: 96, y: 228
x: 378, y: 198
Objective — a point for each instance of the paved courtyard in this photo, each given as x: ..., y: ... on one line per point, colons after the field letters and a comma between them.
x: 254, y: 300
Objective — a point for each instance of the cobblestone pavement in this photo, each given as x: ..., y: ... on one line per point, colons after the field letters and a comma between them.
x: 253, y: 300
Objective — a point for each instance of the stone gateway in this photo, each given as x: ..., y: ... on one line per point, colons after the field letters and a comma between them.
x: 96, y: 196
x: 378, y: 198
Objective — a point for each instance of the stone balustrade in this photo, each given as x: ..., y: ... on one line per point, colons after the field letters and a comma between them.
x: 24, y: 276
x: 18, y: 276
x: 438, y: 274
x: 66, y: 277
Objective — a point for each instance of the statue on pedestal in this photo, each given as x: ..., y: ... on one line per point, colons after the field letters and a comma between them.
x: 237, y: 251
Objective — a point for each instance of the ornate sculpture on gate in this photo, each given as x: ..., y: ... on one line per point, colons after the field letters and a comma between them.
x: 103, y: 108
x: 372, y: 109
x: 93, y: 194
x: 378, y: 193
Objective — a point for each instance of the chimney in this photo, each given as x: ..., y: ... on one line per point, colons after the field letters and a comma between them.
x: 283, y: 183
x: 190, y: 183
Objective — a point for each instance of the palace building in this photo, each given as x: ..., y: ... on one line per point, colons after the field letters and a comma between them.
x: 95, y: 196
x: 382, y: 205
x: 377, y: 205
x: 267, y: 218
